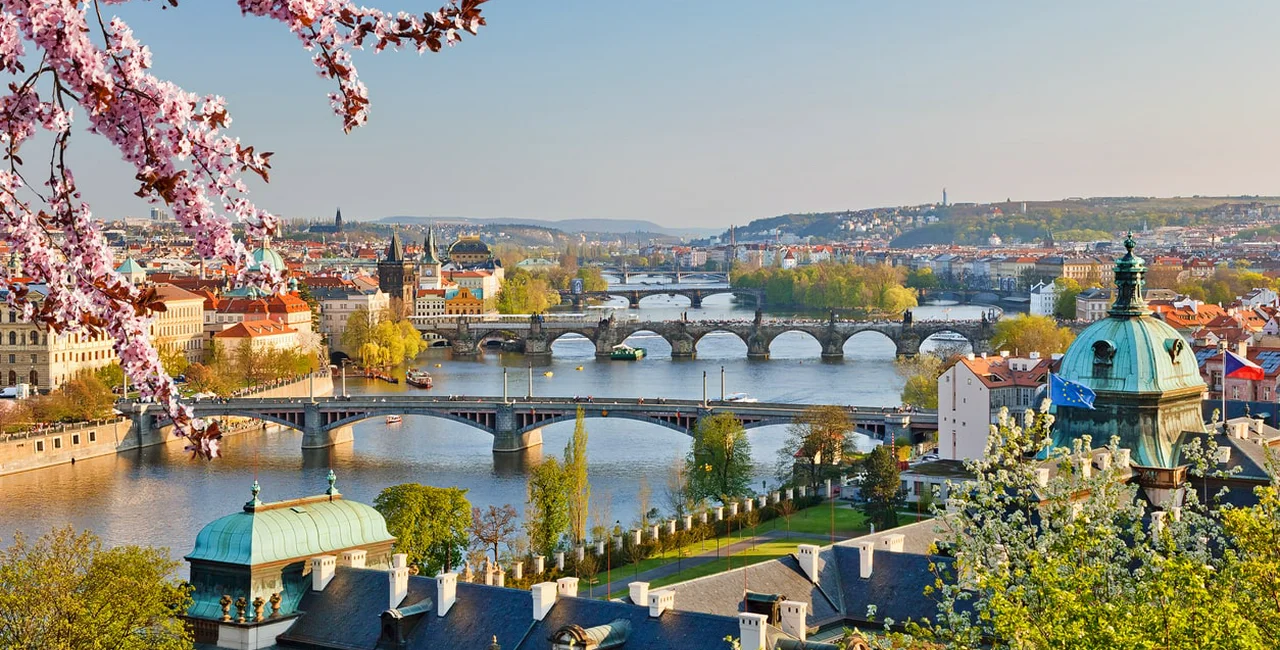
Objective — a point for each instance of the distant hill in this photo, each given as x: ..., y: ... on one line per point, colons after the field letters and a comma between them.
x: 611, y: 226
x: 1012, y: 221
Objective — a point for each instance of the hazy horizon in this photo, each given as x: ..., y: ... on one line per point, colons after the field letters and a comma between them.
x: 709, y: 114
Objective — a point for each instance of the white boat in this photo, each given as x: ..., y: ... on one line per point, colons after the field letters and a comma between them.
x: 740, y: 397
x: 394, y: 419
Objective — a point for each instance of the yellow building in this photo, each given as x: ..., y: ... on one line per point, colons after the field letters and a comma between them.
x: 463, y: 304
x: 181, y: 325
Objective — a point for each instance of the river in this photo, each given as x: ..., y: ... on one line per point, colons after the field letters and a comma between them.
x: 160, y: 497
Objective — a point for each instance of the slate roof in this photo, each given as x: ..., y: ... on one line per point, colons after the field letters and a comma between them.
x: 723, y: 593
x: 674, y: 629
x: 479, y: 613
x: 346, y: 613
x: 896, y: 586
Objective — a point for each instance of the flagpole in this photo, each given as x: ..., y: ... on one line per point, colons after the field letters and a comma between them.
x: 1224, y: 386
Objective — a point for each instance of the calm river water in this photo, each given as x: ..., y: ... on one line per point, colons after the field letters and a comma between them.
x: 159, y: 497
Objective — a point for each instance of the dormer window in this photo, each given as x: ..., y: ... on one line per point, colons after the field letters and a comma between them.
x: 1104, y: 353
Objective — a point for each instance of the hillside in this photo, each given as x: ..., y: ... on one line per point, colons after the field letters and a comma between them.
x: 1012, y: 221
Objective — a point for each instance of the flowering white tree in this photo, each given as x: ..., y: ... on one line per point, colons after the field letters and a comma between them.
x: 66, y: 61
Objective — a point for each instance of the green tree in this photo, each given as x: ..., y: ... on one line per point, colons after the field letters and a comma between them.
x: 547, y: 513
x: 922, y: 278
x: 66, y: 591
x: 1025, y: 333
x: 720, y: 460
x: 815, y: 445
x: 880, y: 487
x: 921, y: 373
x: 575, y: 466
x: 112, y: 375
x: 430, y: 524
x: 359, y: 329
x: 1064, y: 305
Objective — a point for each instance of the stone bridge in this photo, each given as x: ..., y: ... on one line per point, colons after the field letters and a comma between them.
x: 516, y: 424
x: 634, y: 296
x: 467, y: 334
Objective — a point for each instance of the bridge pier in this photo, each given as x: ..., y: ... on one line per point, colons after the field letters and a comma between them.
x: 633, y: 299
x: 833, y: 348
x: 695, y: 299
x: 507, y: 436
x: 757, y: 347
x: 537, y: 346
x: 682, y: 347
x: 318, y: 438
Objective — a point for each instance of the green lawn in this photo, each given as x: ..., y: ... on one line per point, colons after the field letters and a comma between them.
x: 814, y: 522
x: 762, y: 552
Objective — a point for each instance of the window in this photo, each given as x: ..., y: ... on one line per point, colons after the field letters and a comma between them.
x: 93, y: 436
x: 1266, y: 394
x: 57, y: 443
x: 39, y: 443
x: 75, y: 438
x: 1235, y: 392
x: 13, y: 338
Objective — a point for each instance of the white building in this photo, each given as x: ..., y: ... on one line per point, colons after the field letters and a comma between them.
x: 1044, y: 298
x: 971, y: 393
x: 337, y: 305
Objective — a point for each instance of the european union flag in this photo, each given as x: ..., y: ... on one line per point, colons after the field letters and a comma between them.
x: 1064, y: 392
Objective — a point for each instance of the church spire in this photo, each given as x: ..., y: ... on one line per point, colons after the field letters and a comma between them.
x: 1131, y: 272
x: 429, y: 247
x: 395, y: 250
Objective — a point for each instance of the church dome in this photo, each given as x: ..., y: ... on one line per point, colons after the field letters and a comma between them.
x: 1132, y: 355
x: 264, y: 255
x: 469, y: 245
x: 1146, y: 377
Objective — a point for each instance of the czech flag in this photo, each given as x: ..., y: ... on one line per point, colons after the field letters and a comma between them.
x: 1238, y: 367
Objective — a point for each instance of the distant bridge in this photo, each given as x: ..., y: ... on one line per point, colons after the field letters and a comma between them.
x: 625, y: 274
x: 516, y: 424
x: 467, y: 334
x: 634, y: 296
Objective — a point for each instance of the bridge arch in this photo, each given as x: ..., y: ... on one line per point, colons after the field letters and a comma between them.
x: 699, y: 336
x: 869, y: 344
x: 805, y: 333
x: 942, y: 336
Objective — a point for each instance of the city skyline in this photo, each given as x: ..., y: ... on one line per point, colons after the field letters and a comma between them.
x: 702, y: 119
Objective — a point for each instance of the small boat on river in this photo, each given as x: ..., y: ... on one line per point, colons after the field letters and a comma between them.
x: 418, y: 378
x: 624, y: 352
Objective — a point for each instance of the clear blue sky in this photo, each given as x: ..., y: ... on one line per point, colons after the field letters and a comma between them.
x: 710, y: 112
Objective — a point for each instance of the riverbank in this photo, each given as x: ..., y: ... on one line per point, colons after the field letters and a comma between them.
x: 66, y: 444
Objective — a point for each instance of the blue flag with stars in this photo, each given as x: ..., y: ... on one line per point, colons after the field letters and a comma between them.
x: 1064, y: 392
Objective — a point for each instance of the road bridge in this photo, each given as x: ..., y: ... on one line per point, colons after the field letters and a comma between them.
x: 634, y: 296
x: 516, y: 424
x: 625, y: 274
x: 467, y: 334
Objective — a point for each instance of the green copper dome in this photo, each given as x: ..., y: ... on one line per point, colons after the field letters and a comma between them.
x: 300, y: 529
x: 1145, y: 375
x: 264, y: 255
x: 1138, y: 354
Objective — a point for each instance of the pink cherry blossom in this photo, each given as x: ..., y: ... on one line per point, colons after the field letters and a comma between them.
x: 91, y: 67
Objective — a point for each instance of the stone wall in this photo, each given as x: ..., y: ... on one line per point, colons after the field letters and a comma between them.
x: 70, y: 443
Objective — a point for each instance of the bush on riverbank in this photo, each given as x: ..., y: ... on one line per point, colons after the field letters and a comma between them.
x: 858, y: 290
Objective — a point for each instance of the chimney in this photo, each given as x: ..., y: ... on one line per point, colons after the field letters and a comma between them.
x: 354, y: 558
x: 544, y: 596
x: 808, y: 556
x: 539, y: 564
x: 893, y: 543
x: 639, y: 593
x: 661, y: 601
x: 793, y: 619
x: 398, y: 576
x: 1042, y: 476
x: 866, y: 558
x: 517, y: 570
x: 446, y: 592
x: 1084, y: 466
x: 1103, y: 458
x: 322, y: 568
x: 1122, y: 458
x: 751, y: 631
x: 567, y: 587
x: 1034, y: 356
